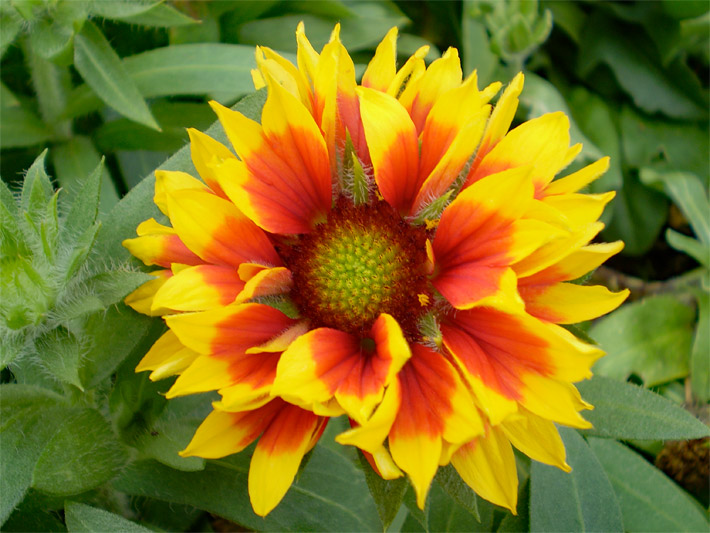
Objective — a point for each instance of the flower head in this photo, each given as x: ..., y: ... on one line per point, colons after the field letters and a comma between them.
x: 388, y: 251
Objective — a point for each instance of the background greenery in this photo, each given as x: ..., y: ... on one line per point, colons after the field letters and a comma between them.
x: 109, y: 87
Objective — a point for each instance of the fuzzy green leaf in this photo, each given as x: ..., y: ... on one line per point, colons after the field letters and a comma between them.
x: 60, y: 353
x: 330, y: 490
x: 581, y: 500
x: 650, y: 338
x: 104, y: 72
x: 649, y: 500
x: 11, y: 24
x: 123, y: 9
x: 82, y: 518
x: 37, y: 189
x: 626, y: 411
x: 82, y: 454
x: 84, y: 207
x: 113, y: 286
x: 387, y: 494
x: 455, y: 487
x: 75, y: 256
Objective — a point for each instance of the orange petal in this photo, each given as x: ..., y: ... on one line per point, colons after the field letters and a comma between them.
x: 267, y: 282
x: 567, y: 303
x: 475, y: 241
x: 290, y: 435
x: 199, y: 288
x: 394, y: 148
x: 159, y: 245
x: 217, y: 231
x: 231, y: 329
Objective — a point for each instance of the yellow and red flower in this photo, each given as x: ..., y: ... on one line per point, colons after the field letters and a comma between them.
x: 388, y: 251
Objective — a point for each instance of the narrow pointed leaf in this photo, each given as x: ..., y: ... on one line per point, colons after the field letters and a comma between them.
x: 82, y: 518
x: 104, y: 72
x: 84, y: 207
x: 387, y: 494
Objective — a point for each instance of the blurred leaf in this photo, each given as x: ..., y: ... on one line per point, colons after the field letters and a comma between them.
x: 569, y: 16
x: 160, y: 15
x: 76, y: 158
x: 650, y: 338
x: 83, y: 518
x: 188, y: 69
x: 387, y: 494
x: 630, y: 56
x: 665, y: 146
x: 689, y: 194
x: 138, y: 204
x: 11, y: 24
x: 521, y: 522
x: 699, y: 360
x: 596, y: 119
x: 539, y: 96
x: 364, y: 31
x: 137, y: 165
x: 115, y: 333
x: 638, y: 216
x: 123, y: 9
x: 21, y: 127
x: 626, y: 411
x: 50, y: 38
x: 82, y: 454
x: 207, y: 31
x: 693, y: 247
x: 112, y: 286
x: 330, y: 490
x: 104, y: 72
x: 476, y: 50
x: 581, y: 500
x: 649, y: 500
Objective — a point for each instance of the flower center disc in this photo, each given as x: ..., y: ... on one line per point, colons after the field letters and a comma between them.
x: 364, y: 261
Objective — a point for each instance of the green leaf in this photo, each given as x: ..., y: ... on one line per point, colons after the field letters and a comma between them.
x: 76, y: 158
x: 581, y: 500
x: 630, y: 56
x: 330, y: 490
x: 36, y: 512
x: 664, y: 146
x: 457, y: 489
x: 387, y: 494
x: 161, y: 15
x: 21, y: 127
x: 476, y: 50
x: 60, y: 354
x: 520, y: 522
x: 626, y: 411
x: 51, y: 37
x: 188, y: 69
x: 359, y: 33
x: 115, y: 333
x: 104, y: 72
x: 82, y: 518
x: 84, y: 207
x: 596, y: 119
x: 638, y: 216
x: 75, y: 256
x: 693, y: 247
x: 689, y: 194
x: 172, y: 431
x: 29, y: 417
x: 37, y: 189
x: 446, y: 514
x: 649, y: 500
x: 138, y: 204
x: 82, y: 454
x: 11, y: 24
x: 125, y: 8
x: 699, y: 360
x: 112, y: 286
x: 650, y: 338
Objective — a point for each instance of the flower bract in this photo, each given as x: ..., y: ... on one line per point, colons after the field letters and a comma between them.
x: 390, y: 251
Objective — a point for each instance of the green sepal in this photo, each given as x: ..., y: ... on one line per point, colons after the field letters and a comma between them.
x: 432, y: 211
x: 84, y: 207
x: 37, y: 189
x: 72, y: 261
